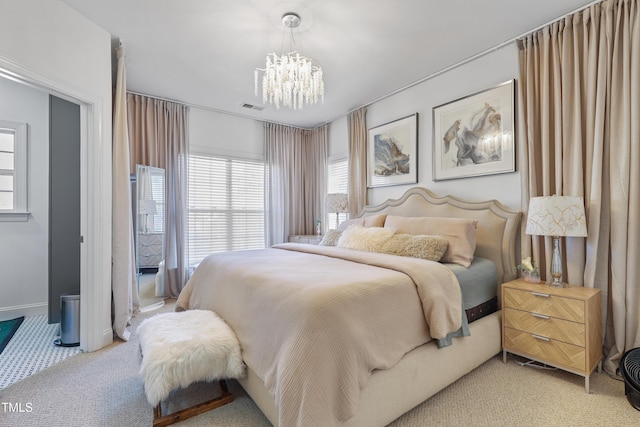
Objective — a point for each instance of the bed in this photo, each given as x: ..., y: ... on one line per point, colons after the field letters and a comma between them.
x: 316, y: 357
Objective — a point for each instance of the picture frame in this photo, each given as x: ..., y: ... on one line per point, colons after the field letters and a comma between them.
x: 392, y: 153
x: 475, y: 135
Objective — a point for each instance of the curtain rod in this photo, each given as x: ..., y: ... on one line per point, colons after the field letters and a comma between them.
x: 467, y: 60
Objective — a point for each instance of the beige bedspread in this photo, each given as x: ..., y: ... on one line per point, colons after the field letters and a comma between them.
x: 314, y: 327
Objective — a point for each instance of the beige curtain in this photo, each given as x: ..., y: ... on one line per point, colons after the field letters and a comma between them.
x: 123, y: 268
x: 357, y: 123
x: 296, y: 165
x: 579, y: 127
x: 158, y: 131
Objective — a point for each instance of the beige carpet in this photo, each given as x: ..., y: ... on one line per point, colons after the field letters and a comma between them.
x: 104, y: 389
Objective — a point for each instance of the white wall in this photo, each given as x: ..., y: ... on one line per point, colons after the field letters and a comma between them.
x: 482, y: 73
x: 338, y: 139
x: 47, y: 43
x: 23, y: 246
x: 224, y: 134
x: 219, y: 133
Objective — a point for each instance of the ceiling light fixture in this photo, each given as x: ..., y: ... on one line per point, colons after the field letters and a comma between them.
x: 290, y: 79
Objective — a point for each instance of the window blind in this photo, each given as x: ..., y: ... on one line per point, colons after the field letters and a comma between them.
x: 337, y: 182
x: 226, y: 205
x: 157, y: 194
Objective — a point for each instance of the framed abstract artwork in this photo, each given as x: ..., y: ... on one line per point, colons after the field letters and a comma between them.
x: 392, y: 153
x: 475, y: 135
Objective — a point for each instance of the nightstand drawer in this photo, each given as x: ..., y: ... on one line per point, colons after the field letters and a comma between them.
x: 546, y: 326
x: 544, y: 303
x: 150, y: 260
x: 155, y: 250
x: 567, y: 355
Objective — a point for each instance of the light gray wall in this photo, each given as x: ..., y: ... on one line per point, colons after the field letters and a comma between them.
x: 482, y: 73
x: 23, y: 245
x: 225, y: 134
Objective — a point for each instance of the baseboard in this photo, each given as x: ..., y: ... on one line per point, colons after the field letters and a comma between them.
x: 26, y: 310
x: 105, y: 339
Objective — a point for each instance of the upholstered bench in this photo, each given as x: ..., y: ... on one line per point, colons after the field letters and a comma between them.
x: 179, y: 349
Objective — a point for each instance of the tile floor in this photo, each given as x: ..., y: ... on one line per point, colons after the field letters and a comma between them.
x: 31, y: 350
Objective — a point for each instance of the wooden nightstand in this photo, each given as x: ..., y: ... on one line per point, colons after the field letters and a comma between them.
x: 557, y: 326
x: 311, y: 239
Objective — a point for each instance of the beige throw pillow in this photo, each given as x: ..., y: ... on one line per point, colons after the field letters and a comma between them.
x: 459, y: 232
x: 368, y: 239
x: 374, y: 220
x: 367, y: 221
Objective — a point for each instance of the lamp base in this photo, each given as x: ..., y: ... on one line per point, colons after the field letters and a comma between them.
x: 557, y: 284
x: 556, y: 264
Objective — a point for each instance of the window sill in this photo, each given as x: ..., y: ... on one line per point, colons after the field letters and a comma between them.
x: 14, y: 216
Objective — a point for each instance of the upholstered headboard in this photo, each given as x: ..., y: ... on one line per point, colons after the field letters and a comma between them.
x: 497, y: 225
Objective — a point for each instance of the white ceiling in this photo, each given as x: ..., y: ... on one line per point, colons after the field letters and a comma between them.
x: 204, y: 52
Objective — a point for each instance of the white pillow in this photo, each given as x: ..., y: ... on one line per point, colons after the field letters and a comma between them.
x: 368, y: 239
x: 348, y: 223
x: 330, y: 238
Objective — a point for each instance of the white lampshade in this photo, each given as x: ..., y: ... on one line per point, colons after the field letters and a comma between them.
x: 148, y: 206
x: 337, y: 203
x: 557, y: 216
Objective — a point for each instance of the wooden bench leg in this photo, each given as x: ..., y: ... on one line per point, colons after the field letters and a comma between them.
x: 225, y: 397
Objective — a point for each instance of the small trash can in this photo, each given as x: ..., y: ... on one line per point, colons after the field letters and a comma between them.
x: 69, y: 321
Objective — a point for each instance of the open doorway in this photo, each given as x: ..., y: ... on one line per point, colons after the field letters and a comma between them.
x: 40, y: 248
x: 95, y: 211
x: 25, y: 246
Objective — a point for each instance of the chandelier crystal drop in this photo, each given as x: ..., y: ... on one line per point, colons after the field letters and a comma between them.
x: 290, y: 79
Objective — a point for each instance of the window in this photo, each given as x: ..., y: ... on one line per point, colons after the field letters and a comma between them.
x: 157, y: 194
x: 13, y: 171
x: 226, y: 205
x: 337, y: 182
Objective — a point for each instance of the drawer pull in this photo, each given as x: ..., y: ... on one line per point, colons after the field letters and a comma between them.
x: 540, y: 294
x: 540, y: 316
x: 538, y: 337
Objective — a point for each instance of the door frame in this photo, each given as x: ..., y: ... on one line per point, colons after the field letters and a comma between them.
x: 95, y: 211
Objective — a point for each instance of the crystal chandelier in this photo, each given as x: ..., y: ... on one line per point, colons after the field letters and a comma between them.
x: 290, y: 79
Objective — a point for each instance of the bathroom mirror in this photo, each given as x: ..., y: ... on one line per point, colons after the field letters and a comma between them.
x: 150, y: 233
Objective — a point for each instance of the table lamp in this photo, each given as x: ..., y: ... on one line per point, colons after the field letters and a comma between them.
x: 337, y: 203
x: 147, y: 207
x: 556, y: 216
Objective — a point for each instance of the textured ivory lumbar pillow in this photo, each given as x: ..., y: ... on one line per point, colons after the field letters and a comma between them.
x: 368, y: 239
x: 416, y: 246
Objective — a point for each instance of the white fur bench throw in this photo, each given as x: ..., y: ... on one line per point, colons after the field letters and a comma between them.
x: 179, y: 349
